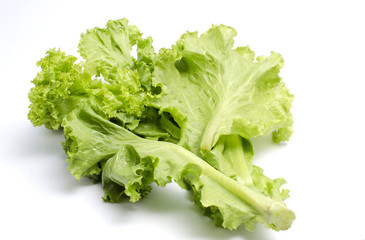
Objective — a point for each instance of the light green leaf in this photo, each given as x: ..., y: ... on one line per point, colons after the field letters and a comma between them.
x: 212, y: 89
x: 59, y: 86
x: 106, y: 48
x: 110, y: 75
x: 126, y: 173
x: 132, y: 163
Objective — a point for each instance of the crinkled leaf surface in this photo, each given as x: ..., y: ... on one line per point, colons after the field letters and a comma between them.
x: 106, y: 48
x: 109, y: 74
x: 131, y: 163
x: 212, y: 89
x: 59, y: 86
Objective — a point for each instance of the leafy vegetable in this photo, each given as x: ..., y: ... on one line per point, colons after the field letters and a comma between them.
x: 212, y: 89
x: 185, y: 114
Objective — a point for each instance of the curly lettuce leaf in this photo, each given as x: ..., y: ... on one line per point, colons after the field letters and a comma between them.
x: 59, y: 86
x: 131, y: 164
x: 109, y: 74
x: 107, y: 48
x: 62, y: 83
x: 212, y: 89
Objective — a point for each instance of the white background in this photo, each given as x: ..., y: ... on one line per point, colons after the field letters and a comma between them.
x: 322, y: 43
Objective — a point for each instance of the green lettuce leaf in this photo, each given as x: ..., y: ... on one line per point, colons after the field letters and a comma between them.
x: 62, y: 83
x: 131, y: 164
x: 221, y: 97
x: 106, y: 49
x: 59, y: 86
x: 109, y: 74
x: 212, y: 89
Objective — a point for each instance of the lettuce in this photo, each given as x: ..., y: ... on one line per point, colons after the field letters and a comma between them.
x: 186, y: 114
x: 109, y: 74
x: 212, y: 90
x: 131, y: 164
